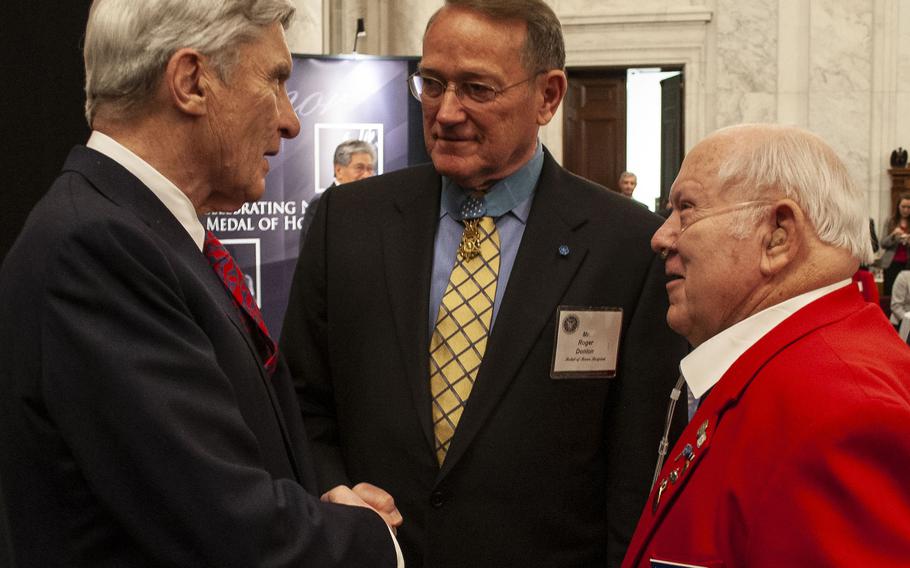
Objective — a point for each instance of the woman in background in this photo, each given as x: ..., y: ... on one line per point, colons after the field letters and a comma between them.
x: 896, y: 242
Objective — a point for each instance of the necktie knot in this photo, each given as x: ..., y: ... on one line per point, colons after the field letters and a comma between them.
x: 473, y: 207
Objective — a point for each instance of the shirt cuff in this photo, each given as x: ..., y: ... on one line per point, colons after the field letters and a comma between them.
x: 398, y: 555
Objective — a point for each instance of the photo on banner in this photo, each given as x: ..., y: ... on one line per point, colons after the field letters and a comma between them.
x: 328, y: 136
x: 336, y: 98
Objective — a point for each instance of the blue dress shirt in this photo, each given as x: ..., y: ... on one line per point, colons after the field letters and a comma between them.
x: 509, y: 203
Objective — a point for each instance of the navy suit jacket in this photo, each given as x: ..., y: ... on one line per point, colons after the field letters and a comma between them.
x: 137, y: 424
x: 541, y: 472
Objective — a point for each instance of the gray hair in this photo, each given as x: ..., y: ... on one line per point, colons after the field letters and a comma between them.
x: 802, y: 167
x: 627, y: 174
x: 544, y: 48
x: 129, y: 42
x: 345, y: 150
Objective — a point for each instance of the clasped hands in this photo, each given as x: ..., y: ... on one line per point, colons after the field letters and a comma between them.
x: 369, y: 496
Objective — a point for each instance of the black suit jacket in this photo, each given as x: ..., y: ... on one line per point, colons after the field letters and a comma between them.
x: 541, y: 472
x: 138, y: 425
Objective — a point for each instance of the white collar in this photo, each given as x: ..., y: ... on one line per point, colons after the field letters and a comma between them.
x: 708, y: 362
x: 170, y: 195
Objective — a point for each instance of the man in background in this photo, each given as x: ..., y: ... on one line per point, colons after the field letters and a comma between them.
x: 353, y: 160
x: 146, y: 417
x: 798, y: 453
x: 483, y: 336
x: 627, y: 183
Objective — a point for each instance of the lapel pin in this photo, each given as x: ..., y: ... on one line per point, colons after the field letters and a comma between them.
x: 564, y: 250
x: 674, y: 475
x: 687, y: 453
x: 660, y: 491
x: 702, y: 434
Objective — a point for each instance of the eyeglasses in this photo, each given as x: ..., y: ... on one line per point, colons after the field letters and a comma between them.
x: 665, y: 252
x: 361, y: 168
x: 429, y: 90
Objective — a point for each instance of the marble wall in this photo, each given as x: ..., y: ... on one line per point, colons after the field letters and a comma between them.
x: 746, y: 61
x: 833, y: 66
x: 306, y: 34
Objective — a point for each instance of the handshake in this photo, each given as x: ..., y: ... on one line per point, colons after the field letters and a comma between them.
x: 369, y: 496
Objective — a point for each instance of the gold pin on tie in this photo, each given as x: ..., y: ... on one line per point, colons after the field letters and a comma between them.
x: 469, y: 247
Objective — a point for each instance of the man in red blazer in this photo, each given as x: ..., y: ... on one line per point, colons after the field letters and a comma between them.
x: 798, y: 455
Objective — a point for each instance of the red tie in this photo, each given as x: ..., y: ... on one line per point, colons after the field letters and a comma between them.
x: 226, y: 269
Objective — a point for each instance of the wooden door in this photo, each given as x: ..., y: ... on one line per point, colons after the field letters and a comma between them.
x: 594, y: 129
x: 671, y: 133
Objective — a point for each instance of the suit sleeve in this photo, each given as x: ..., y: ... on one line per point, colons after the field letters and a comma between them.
x: 135, y: 387
x: 889, y: 240
x: 304, y: 341
x: 843, y: 498
x: 649, y: 367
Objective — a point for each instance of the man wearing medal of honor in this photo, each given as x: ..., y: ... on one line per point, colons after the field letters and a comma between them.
x: 146, y: 418
x: 798, y: 455
x: 426, y: 331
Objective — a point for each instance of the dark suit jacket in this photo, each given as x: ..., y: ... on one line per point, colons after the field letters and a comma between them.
x: 803, y: 454
x: 137, y: 425
x: 541, y: 472
x: 310, y: 214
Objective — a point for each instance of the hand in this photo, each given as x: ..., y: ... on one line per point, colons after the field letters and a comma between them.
x: 369, y: 496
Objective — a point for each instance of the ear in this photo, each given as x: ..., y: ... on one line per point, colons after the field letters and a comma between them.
x: 187, y: 81
x: 554, y: 89
x: 337, y: 170
x: 784, y: 237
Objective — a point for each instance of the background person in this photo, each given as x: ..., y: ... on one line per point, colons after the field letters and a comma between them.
x: 422, y: 329
x: 627, y: 183
x: 896, y: 242
x: 900, y: 298
x: 804, y: 386
x: 146, y: 418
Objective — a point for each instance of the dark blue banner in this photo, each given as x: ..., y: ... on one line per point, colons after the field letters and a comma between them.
x: 336, y: 99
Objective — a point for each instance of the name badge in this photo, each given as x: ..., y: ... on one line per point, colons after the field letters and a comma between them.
x: 587, y: 342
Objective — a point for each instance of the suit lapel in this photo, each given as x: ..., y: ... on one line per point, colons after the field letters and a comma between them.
x: 539, y: 278
x: 123, y: 188
x: 407, y: 247
x: 725, y: 396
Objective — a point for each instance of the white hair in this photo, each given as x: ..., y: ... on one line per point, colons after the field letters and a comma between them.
x: 345, y: 151
x: 801, y: 166
x: 129, y: 42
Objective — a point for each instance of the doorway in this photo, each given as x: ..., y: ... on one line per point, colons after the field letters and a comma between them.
x: 625, y: 119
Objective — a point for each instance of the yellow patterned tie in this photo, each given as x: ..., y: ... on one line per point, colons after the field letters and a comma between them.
x: 462, y: 327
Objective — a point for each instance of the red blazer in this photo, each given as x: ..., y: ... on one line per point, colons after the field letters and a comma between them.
x: 869, y: 288
x: 799, y: 456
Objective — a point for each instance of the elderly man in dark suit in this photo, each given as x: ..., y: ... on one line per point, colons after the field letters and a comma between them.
x: 146, y: 418
x: 484, y: 337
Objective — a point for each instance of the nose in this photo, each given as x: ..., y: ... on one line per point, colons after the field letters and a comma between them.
x: 450, y: 109
x: 664, y: 239
x: 288, y: 123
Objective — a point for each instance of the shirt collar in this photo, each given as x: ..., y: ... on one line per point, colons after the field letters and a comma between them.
x: 170, y: 195
x: 508, y: 194
x: 708, y: 362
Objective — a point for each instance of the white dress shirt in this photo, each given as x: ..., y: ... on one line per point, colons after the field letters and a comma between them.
x: 164, y: 189
x: 708, y: 362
